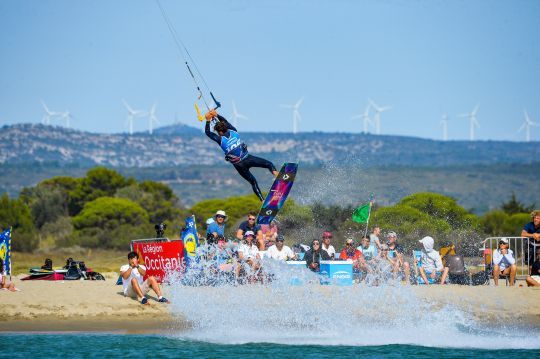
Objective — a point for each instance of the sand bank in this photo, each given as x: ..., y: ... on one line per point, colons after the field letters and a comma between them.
x: 100, y: 305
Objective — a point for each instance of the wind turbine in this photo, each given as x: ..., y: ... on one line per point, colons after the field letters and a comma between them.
x: 152, y: 118
x: 378, y: 111
x: 132, y: 114
x: 236, y: 115
x: 66, y: 116
x: 527, y: 126
x: 296, y: 114
x: 444, y: 124
x: 365, y: 118
x: 472, y: 120
x: 46, y: 120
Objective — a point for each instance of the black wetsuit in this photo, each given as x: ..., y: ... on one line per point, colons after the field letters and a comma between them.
x: 245, y: 161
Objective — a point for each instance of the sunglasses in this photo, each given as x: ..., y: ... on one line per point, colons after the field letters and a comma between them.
x: 220, y: 216
x: 316, y: 243
x: 251, y: 219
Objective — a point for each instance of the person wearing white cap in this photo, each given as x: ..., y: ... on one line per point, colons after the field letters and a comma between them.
x: 217, y: 228
x: 504, y: 262
x: 248, y: 253
x: 431, y: 263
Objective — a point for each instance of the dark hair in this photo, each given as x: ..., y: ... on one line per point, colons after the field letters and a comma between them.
x: 220, y: 127
x: 252, y: 214
x: 132, y: 255
x: 1, y: 266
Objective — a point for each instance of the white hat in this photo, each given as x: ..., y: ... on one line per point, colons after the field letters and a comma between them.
x: 504, y: 240
x: 221, y: 213
x: 249, y: 233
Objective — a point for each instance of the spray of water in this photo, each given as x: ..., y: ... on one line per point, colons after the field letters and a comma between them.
x: 294, y: 308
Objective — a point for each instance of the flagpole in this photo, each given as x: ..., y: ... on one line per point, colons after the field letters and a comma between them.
x: 368, y: 217
x: 9, y: 251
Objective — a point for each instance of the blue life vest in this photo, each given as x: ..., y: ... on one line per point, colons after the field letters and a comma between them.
x: 234, y: 148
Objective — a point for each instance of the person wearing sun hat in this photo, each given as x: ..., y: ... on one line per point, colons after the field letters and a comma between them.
x: 217, y: 228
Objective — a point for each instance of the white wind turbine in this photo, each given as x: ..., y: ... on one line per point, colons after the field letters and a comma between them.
x: 378, y: 111
x: 152, y: 119
x: 236, y: 115
x: 365, y: 119
x: 527, y: 126
x: 472, y: 121
x: 296, y: 114
x: 132, y: 114
x: 46, y: 120
x: 66, y: 116
x: 444, y: 124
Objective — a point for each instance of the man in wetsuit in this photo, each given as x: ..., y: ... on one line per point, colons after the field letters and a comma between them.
x: 236, y: 150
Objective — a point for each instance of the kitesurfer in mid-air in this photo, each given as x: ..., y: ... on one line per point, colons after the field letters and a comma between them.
x: 236, y: 150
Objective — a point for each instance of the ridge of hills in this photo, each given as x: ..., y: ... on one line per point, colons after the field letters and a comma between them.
x: 180, y: 144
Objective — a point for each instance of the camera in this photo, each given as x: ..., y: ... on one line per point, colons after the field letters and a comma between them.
x: 160, y: 229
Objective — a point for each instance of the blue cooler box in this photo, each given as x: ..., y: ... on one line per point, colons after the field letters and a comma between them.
x: 339, y: 272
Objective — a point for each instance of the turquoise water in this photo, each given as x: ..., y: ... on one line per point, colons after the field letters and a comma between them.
x: 86, y: 345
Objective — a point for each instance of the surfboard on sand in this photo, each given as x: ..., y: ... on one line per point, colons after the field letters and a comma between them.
x: 278, y: 193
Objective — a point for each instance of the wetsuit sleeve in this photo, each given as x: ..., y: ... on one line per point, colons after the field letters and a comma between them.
x: 211, y: 134
x: 224, y: 120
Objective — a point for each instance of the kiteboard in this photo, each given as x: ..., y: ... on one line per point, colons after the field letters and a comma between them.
x: 278, y: 193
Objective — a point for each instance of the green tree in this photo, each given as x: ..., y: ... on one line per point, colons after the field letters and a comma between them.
x: 444, y: 208
x: 16, y: 214
x: 99, y: 182
x: 104, y: 223
x: 493, y: 223
x: 513, y: 206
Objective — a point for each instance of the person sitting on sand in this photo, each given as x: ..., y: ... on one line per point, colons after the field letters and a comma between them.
x: 431, y: 263
x: 368, y: 249
x: 216, y: 228
x: 280, y: 251
x: 534, y: 279
x: 251, y: 225
x: 326, y: 246
x: 349, y: 252
x: 4, y: 284
x: 504, y: 262
x: 132, y: 280
x: 395, y: 252
x: 314, y: 256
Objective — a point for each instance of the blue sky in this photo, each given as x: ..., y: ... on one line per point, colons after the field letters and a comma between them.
x: 424, y: 58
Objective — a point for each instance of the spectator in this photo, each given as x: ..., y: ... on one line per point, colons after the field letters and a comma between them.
x: 326, y: 246
x: 395, y: 253
x: 132, y: 280
x: 217, y: 228
x: 280, y: 251
x: 248, y: 252
x: 431, y: 263
x: 4, y: 284
x: 251, y: 225
x: 504, y: 262
x: 374, y: 237
x: 269, y: 233
x: 314, y: 256
x: 534, y: 279
x: 368, y: 249
x: 349, y: 252
x: 531, y: 230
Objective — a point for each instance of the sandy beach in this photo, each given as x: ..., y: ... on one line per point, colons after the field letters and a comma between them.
x: 100, y: 306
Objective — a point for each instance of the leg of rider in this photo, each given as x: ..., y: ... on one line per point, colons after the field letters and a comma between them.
x: 254, y: 161
x: 244, y: 172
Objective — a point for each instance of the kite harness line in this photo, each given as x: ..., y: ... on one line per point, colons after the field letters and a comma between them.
x: 185, y: 56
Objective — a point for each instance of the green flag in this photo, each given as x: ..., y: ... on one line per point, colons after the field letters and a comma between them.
x: 361, y: 214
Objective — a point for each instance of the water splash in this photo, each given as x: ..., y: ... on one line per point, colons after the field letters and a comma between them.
x: 310, y: 313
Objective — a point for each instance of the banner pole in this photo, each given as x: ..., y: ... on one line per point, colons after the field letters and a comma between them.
x: 369, y: 216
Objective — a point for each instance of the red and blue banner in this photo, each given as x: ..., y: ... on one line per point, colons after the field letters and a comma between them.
x: 160, y: 258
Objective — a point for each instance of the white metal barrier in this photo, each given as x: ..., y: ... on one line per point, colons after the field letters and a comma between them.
x: 520, y: 246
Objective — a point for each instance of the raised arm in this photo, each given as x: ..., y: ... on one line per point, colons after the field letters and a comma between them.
x: 211, y: 134
x: 224, y: 120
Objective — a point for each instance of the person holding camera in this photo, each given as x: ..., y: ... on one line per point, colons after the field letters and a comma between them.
x: 216, y: 228
x: 134, y: 285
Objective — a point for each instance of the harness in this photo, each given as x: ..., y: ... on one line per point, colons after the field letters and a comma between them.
x: 234, y: 148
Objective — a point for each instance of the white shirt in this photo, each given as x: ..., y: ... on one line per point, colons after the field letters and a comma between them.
x: 330, y: 250
x: 281, y: 255
x: 248, y: 251
x: 134, y: 274
x: 503, y: 261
